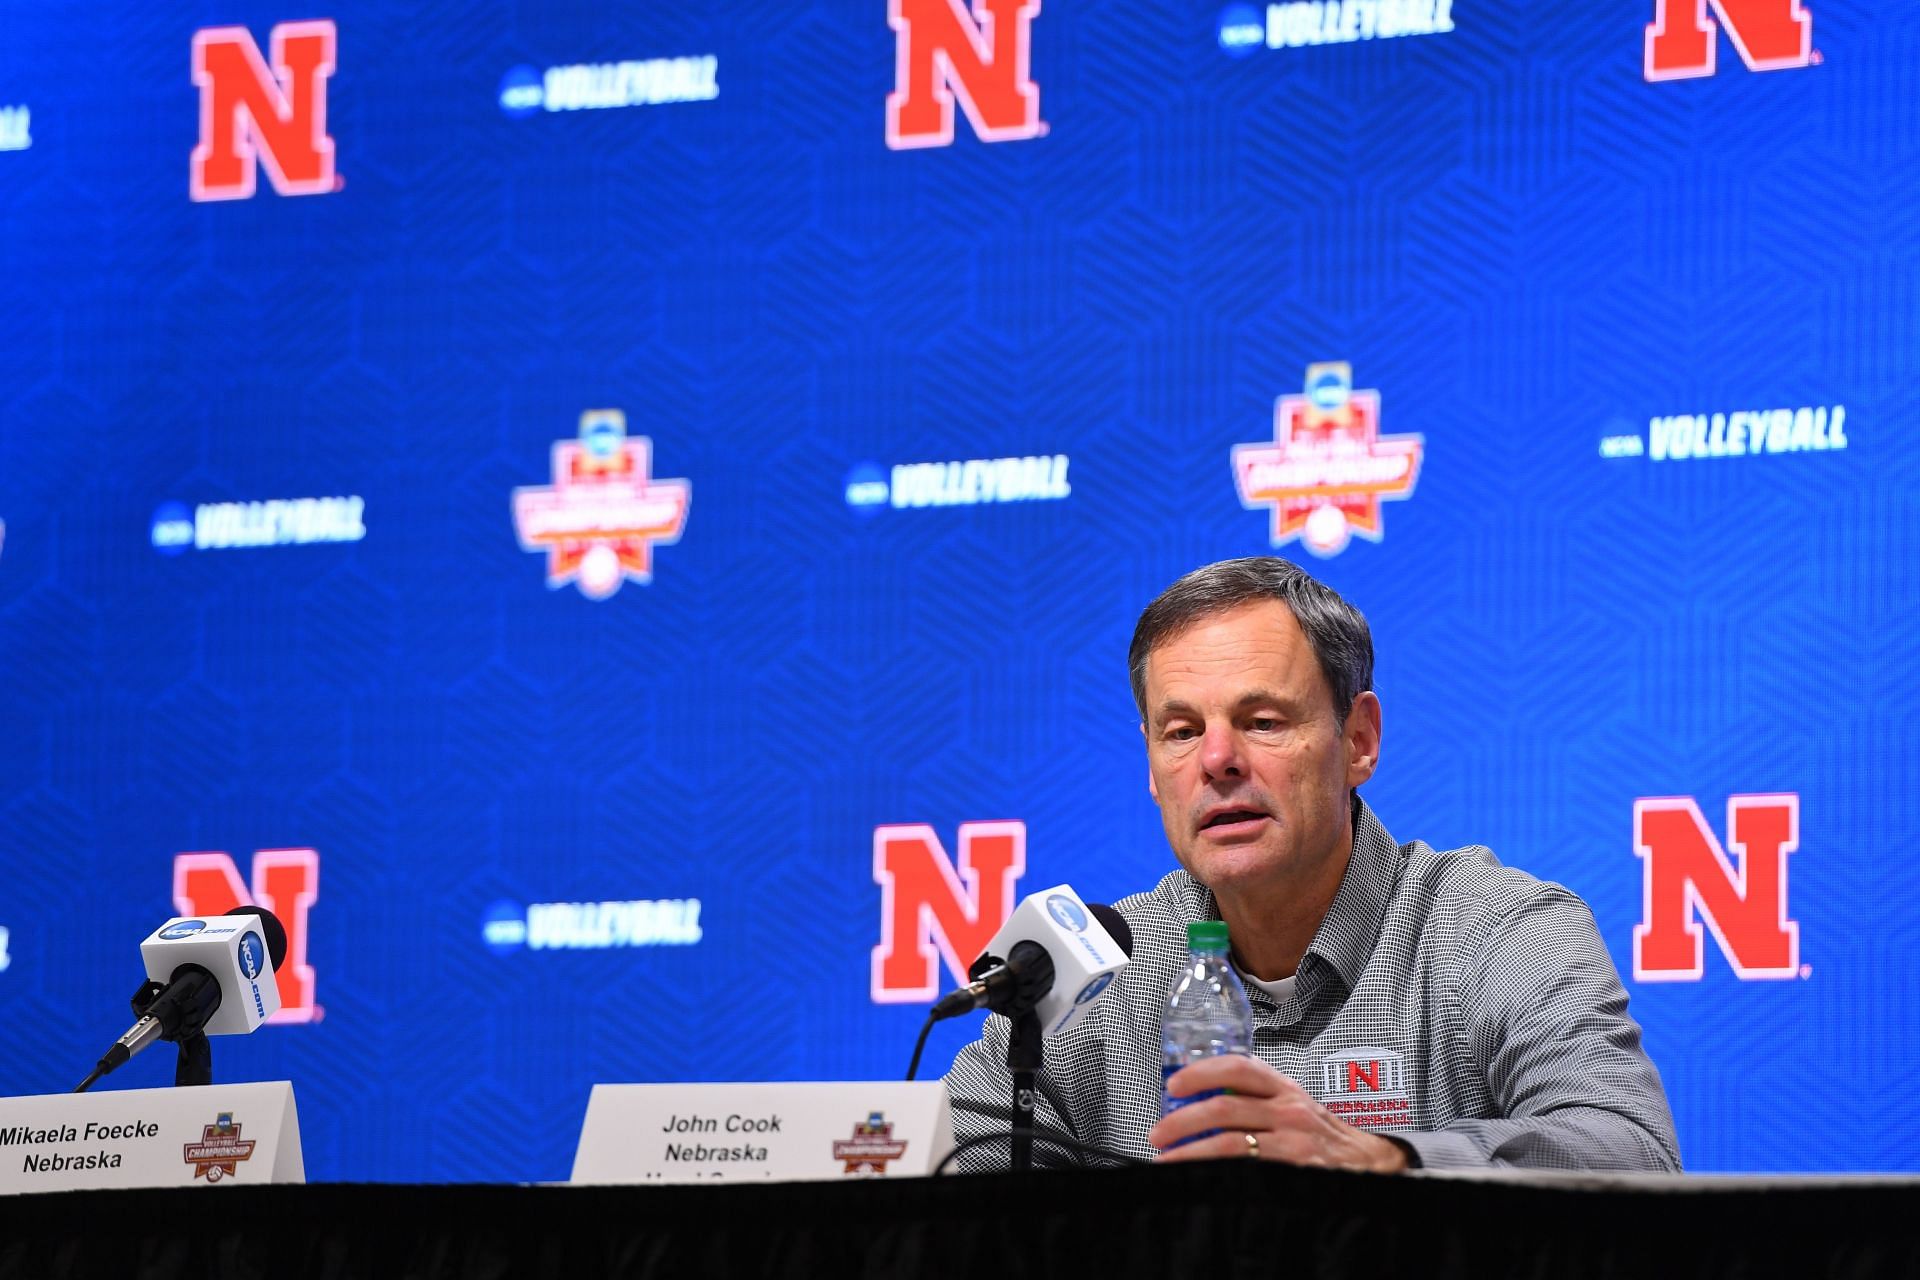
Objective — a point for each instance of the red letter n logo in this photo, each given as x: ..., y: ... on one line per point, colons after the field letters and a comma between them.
x: 285, y: 882
x: 250, y: 115
x: 1359, y: 1073
x: 922, y: 902
x: 1687, y: 872
x: 1768, y: 34
x: 941, y: 53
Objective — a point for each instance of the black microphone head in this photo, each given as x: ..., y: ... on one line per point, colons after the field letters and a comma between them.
x: 1115, y: 924
x: 277, y: 932
x: 1032, y: 967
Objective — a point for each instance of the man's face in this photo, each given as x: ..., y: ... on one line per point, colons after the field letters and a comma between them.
x: 1245, y: 757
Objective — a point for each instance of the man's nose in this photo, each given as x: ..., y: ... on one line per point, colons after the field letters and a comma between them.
x: 1220, y: 753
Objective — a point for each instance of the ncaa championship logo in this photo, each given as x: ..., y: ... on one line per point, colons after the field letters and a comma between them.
x: 1328, y: 468
x: 220, y: 1151
x: 871, y: 1146
x: 600, y: 518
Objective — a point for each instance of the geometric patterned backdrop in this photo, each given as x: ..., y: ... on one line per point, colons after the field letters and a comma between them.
x: 775, y: 630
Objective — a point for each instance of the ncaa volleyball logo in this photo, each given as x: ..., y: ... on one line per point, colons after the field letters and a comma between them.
x: 867, y: 489
x: 1242, y: 30
x: 172, y: 530
x: 522, y: 92
x: 182, y: 929
x: 1067, y: 912
x: 504, y: 927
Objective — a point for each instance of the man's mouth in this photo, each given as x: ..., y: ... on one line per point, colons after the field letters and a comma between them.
x: 1232, y: 821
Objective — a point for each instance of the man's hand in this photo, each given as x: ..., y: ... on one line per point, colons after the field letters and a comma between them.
x: 1285, y: 1121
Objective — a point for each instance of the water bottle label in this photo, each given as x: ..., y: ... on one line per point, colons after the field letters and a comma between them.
x: 1170, y: 1104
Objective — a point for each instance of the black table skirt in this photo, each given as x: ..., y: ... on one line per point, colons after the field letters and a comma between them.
x: 1227, y: 1219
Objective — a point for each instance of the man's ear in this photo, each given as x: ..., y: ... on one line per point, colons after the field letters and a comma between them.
x: 1153, y: 788
x: 1362, y: 734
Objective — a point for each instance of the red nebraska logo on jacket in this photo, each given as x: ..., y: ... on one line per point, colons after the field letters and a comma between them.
x: 1366, y: 1087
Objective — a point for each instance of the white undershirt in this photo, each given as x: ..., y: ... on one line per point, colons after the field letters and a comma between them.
x: 1281, y: 989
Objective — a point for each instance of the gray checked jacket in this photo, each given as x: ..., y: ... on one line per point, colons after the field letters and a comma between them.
x: 1462, y: 1007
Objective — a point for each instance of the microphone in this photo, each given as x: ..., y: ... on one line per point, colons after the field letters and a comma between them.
x: 1061, y: 956
x: 204, y: 977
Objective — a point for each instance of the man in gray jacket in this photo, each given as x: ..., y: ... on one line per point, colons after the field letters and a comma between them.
x: 1410, y: 1007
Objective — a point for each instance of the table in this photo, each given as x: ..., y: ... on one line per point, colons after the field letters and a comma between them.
x: 1226, y: 1219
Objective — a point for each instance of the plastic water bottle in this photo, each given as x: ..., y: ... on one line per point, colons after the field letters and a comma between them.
x: 1207, y: 1012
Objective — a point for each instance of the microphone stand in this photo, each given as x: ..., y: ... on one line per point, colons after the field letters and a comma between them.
x: 1025, y: 1052
x: 194, y: 1065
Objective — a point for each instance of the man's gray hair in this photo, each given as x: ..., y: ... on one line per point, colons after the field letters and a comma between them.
x: 1336, y: 630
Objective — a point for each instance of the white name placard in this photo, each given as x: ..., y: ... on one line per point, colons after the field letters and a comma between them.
x: 696, y: 1132
x: 217, y: 1135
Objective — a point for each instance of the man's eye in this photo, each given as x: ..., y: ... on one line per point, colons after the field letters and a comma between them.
x: 1185, y: 733
x: 1266, y: 724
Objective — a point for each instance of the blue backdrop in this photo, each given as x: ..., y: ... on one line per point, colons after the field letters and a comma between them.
x: 1534, y: 255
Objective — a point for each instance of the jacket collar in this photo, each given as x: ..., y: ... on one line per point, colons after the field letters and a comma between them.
x: 1347, y: 933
